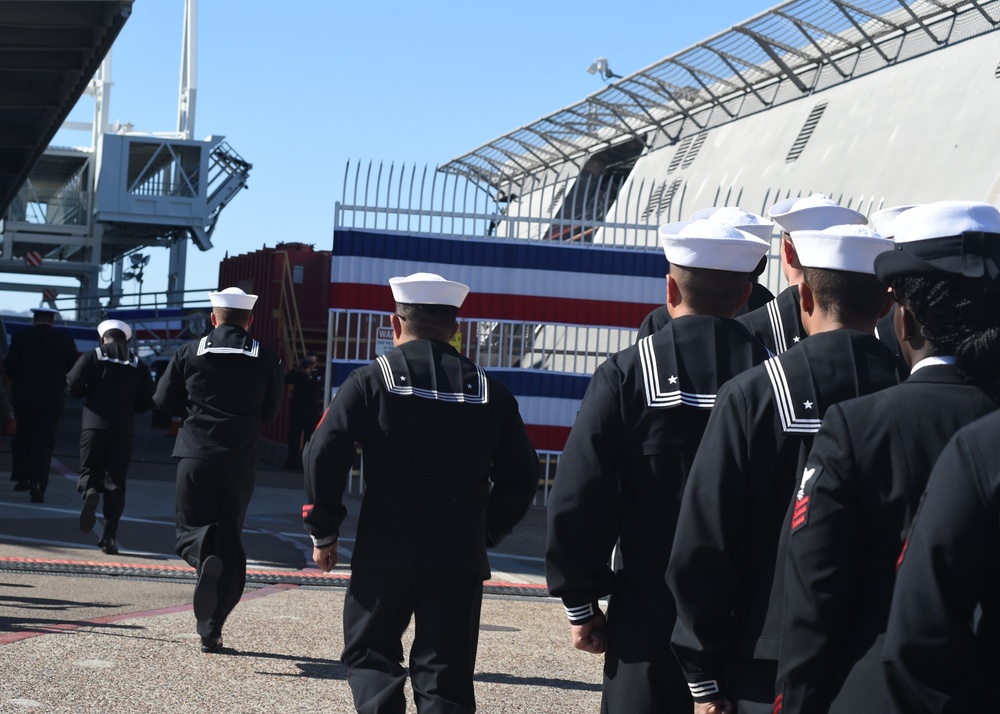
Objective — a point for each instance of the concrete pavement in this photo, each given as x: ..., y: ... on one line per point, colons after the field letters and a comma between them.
x: 82, y: 631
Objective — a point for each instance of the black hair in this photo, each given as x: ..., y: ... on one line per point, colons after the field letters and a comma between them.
x: 846, y: 294
x: 116, y: 335
x: 959, y: 316
x: 709, y: 291
x: 431, y: 321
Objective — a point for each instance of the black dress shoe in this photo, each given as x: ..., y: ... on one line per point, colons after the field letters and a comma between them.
x: 37, y: 497
x: 109, y: 546
x: 211, y: 645
x: 88, y: 516
x: 21, y: 485
x: 206, y: 594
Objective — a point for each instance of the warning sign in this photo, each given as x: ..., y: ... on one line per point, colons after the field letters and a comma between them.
x: 383, y: 340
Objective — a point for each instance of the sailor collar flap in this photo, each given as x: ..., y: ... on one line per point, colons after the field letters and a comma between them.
x: 104, y: 354
x: 227, y: 340
x: 412, y: 370
x: 783, y: 313
x: 823, y: 370
x: 675, y: 371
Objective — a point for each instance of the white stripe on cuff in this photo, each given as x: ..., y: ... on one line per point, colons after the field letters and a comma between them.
x: 703, y: 689
x: 580, y: 612
x: 320, y: 542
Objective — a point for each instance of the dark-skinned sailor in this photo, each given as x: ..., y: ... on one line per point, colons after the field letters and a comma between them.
x: 873, y: 455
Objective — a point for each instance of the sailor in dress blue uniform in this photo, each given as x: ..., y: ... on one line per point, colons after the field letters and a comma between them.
x: 223, y: 386
x: 449, y: 471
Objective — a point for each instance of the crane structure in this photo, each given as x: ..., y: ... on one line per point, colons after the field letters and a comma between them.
x: 80, y: 209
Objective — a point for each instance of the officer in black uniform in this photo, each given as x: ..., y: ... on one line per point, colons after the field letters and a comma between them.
x: 778, y: 324
x: 623, y: 469
x: 305, y: 407
x: 745, y: 221
x: 722, y: 570
x: 436, y: 432
x: 224, y: 385
x: 36, y: 364
x: 872, y: 457
x: 116, y: 385
x: 942, y: 646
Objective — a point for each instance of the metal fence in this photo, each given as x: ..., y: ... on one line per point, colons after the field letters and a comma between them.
x: 361, y: 336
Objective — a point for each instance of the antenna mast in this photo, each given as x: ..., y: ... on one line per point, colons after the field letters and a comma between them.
x: 186, y: 99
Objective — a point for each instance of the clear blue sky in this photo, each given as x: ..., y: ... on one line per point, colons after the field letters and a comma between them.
x: 300, y: 88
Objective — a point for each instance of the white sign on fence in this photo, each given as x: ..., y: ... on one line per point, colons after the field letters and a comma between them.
x: 383, y: 340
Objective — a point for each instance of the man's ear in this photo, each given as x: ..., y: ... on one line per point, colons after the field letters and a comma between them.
x: 747, y: 290
x: 806, y: 299
x: 215, y: 322
x: 454, y: 329
x: 397, y: 326
x: 674, y: 296
x: 788, y: 250
x: 250, y: 321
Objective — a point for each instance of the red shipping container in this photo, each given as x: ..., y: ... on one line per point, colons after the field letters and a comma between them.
x: 292, y: 284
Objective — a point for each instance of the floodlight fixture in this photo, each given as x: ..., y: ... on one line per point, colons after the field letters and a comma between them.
x: 600, y: 66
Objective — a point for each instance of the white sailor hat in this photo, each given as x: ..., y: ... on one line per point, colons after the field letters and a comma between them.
x: 232, y: 298
x: 812, y: 213
x: 707, y: 244
x: 115, y: 325
x: 849, y: 247
x: 428, y: 289
x: 884, y: 221
x: 945, y: 238
x: 45, y: 311
x: 737, y: 218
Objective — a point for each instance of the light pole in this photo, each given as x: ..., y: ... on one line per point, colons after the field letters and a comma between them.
x: 139, y: 262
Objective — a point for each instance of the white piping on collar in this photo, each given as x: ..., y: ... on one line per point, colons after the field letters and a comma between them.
x: 933, y: 360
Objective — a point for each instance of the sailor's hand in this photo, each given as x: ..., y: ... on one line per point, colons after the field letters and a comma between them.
x: 591, y: 636
x: 722, y: 706
x: 325, y: 556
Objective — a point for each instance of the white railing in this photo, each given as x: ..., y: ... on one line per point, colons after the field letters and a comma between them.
x: 361, y: 335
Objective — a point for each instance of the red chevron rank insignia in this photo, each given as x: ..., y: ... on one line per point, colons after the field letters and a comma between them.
x: 800, y: 513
